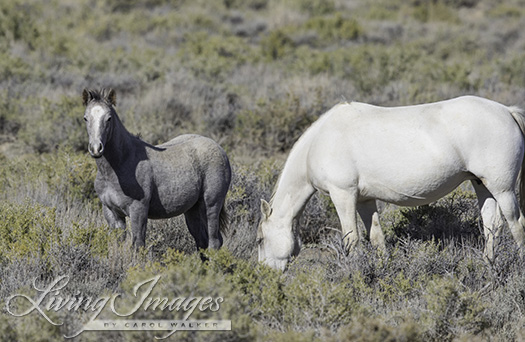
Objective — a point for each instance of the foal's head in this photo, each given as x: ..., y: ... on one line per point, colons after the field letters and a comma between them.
x: 99, y: 112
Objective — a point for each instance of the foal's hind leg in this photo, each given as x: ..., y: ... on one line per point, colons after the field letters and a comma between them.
x: 490, y: 216
x: 197, y: 224
x: 368, y: 212
x: 213, y: 207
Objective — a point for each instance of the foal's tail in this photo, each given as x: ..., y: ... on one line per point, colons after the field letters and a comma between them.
x: 519, y: 116
x: 224, y: 220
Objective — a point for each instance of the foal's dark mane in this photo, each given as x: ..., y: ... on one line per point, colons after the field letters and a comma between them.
x: 102, y: 95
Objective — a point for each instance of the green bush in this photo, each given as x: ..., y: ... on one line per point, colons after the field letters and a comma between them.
x: 252, y: 4
x: 59, y: 125
x: 33, y: 230
x: 454, y: 216
x: 214, y: 57
x: 15, y: 68
x: 63, y: 175
x: 276, y: 125
x: 506, y: 11
x: 367, y: 329
x: 72, y: 177
x: 276, y: 45
x: 426, y: 11
x: 17, y: 22
x: 26, y: 230
x: 450, y: 308
x: 334, y: 28
x: 316, y: 7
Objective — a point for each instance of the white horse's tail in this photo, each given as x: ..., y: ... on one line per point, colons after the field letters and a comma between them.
x: 519, y: 116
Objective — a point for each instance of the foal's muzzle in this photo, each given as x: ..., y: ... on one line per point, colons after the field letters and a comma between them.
x: 96, y: 149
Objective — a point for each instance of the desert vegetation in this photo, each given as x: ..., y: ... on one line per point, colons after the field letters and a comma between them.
x: 252, y: 75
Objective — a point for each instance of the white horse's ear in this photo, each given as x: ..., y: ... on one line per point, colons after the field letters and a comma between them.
x: 112, y: 97
x: 266, y: 209
x: 85, y: 97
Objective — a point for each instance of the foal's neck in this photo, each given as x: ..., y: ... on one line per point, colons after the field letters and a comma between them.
x: 119, y: 147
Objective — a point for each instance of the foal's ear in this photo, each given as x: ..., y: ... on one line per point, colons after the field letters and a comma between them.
x: 266, y: 209
x: 112, y: 97
x: 86, y: 97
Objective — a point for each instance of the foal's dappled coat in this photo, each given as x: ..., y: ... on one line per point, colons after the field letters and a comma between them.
x: 188, y: 175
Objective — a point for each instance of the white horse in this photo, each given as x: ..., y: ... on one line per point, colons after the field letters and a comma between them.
x: 408, y: 156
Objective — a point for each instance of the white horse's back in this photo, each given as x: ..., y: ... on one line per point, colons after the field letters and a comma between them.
x: 413, y: 155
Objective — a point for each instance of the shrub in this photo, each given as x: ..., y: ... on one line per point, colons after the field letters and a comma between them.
x: 252, y: 4
x: 59, y: 125
x: 243, y: 203
x: 214, y: 57
x: 426, y: 11
x: 367, y: 329
x: 452, y: 311
x: 276, y: 125
x: 454, y: 216
x: 276, y: 45
x: 9, y: 120
x: 71, y: 177
x: 17, y: 22
x: 334, y: 28
x: 26, y: 230
x: 316, y: 7
x: 15, y: 68
x: 32, y: 230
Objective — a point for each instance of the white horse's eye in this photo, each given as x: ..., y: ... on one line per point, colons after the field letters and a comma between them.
x: 109, y: 119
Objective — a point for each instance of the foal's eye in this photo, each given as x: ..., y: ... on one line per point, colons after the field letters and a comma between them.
x: 85, y: 119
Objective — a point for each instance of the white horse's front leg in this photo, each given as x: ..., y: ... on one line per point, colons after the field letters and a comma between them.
x: 345, y: 201
x: 368, y: 212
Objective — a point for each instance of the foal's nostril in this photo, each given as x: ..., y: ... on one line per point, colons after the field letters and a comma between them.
x: 96, y: 149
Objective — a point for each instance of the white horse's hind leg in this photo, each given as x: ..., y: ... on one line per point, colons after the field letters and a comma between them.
x: 345, y: 202
x: 490, y: 216
x: 368, y: 212
x: 508, y: 203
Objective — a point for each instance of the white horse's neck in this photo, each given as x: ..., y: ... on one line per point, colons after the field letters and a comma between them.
x: 293, y: 189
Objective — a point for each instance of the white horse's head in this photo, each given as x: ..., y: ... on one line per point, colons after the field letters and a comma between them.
x: 98, y: 114
x: 275, y: 239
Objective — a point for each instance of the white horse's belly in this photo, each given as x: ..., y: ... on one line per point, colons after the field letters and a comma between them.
x: 411, y: 192
x: 405, y: 178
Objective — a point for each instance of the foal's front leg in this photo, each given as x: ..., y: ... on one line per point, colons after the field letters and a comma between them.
x: 139, y: 222
x: 114, y: 220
